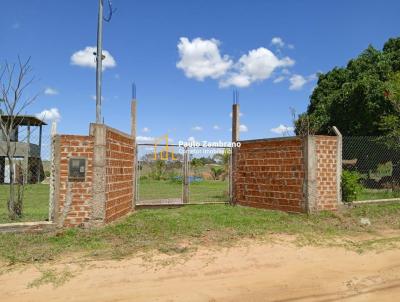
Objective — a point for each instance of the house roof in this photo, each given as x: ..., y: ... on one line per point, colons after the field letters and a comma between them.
x: 24, y: 120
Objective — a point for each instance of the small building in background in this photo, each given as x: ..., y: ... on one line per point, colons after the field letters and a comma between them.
x: 26, y: 146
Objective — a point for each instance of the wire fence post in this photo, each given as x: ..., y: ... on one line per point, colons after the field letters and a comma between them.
x: 185, y: 198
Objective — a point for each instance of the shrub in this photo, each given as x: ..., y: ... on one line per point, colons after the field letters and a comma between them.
x: 351, y: 186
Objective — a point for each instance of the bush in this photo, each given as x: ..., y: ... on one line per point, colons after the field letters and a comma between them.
x: 351, y: 186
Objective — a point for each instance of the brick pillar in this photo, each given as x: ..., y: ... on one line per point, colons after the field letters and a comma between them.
x: 322, y: 156
x: 98, y: 131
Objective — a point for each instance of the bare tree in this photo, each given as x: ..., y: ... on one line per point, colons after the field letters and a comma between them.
x: 14, y: 80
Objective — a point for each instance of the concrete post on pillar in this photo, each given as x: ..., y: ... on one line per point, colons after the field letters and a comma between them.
x: 133, y: 134
x: 99, y: 131
x: 339, y: 158
x: 310, y: 182
x: 133, y: 118
x: 235, y: 123
x: 235, y: 139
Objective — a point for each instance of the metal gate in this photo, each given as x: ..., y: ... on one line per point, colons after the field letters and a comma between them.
x: 174, y: 175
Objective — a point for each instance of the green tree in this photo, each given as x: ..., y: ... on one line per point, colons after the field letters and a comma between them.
x: 361, y: 99
x: 196, y: 163
x: 390, y: 123
x: 224, y: 160
x: 353, y: 98
x: 216, y: 172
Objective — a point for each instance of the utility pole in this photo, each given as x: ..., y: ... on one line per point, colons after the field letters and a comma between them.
x: 99, y: 58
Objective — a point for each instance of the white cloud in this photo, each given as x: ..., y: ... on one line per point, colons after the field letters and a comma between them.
x: 145, y: 130
x: 216, y: 127
x: 257, y: 65
x: 50, y: 91
x: 243, y: 128
x: 277, y: 41
x: 282, y: 129
x: 191, y: 139
x: 197, y: 128
x: 297, y: 81
x: 49, y: 115
x: 145, y: 138
x: 200, y: 58
x: 278, y: 79
x: 85, y: 58
x: 151, y: 139
x: 290, y: 46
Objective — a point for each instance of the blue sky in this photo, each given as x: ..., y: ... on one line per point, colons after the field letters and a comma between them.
x: 186, y: 92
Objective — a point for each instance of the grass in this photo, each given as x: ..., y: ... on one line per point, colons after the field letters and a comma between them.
x: 51, y: 276
x: 202, y: 191
x: 372, y: 194
x: 181, y: 229
x: 36, y: 203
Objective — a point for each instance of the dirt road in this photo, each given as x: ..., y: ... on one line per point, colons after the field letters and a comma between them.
x: 256, y: 272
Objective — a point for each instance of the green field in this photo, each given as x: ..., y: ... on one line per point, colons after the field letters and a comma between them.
x: 373, y: 194
x: 202, y: 191
x: 36, y: 203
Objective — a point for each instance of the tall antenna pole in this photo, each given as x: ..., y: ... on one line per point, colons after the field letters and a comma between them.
x: 99, y: 59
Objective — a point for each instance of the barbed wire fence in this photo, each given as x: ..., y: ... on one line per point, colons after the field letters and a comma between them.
x: 374, y: 164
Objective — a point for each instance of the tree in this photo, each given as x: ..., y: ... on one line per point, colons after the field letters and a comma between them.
x: 353, y: 97
x: 216, y: 172
x: 14, y: 80
x: 390, y: 124
x: 196, y: 163
x: 223, y: 159
x: 361, y: 99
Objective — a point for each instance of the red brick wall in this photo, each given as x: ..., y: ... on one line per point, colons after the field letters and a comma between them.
x: 75, y: 198
x: 326, y: 149
x: 78, y: 212
x: 119, y: 174
x: 270, y: 174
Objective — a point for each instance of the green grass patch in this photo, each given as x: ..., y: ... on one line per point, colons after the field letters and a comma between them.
x: 36, y: 203
x: 181, y: 229
x: 200, y: 191
x: 373, y: 194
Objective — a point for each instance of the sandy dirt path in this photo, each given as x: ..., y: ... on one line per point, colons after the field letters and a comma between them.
x: 256, y: 272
